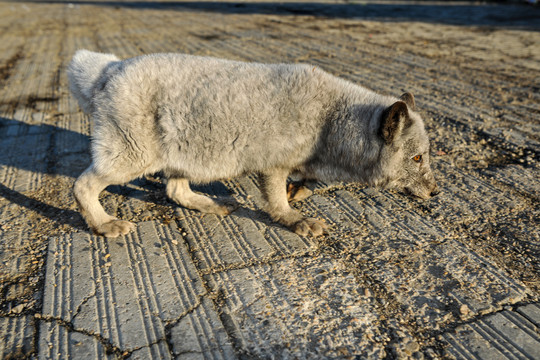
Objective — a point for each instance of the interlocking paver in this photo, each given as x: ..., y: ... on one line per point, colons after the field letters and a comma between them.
x: 125, y: 293
x: 457, y: 276
x: 505, y: 335
x: 299, y: 308
x: 17, y: 336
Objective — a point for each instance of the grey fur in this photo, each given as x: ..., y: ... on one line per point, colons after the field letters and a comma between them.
x: 202, y: 119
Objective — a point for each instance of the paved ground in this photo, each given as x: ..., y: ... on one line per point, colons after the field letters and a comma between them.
x: 457, y: 276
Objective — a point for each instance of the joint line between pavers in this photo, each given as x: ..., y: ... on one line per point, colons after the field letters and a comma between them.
x: 481, y: 330
x: 126, y: 354
x: 197, y: 229
x: 188, y: 311
x: 250, y: 264
x: 190, y: 293
x: 470, y: 321
x: 98, y: 283
x: 254, y: 335
x: 106, y: 343
x: 62, y: 290
x: 207, y: 291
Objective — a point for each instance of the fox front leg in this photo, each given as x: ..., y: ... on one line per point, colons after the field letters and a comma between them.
x: 274, y: 190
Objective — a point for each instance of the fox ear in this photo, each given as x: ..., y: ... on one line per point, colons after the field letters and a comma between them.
x: 393, y: 121
x: 408, y: 99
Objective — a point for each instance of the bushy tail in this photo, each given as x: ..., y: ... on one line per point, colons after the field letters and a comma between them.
x: 84, y: 70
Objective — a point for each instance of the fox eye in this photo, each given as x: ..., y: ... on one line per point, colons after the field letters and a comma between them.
x: 417, y: 158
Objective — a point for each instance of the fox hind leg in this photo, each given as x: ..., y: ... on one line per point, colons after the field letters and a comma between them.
x: 86, y: 190
x: 179, y: 191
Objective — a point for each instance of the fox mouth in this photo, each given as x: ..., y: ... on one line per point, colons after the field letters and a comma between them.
x: 409, y: 193
x: 421, y: 196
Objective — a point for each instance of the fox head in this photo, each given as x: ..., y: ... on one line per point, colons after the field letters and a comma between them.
x: 404, y: 157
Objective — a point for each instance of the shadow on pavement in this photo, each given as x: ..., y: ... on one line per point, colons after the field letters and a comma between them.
x: 52, y: 150
x: 44, y: 149
x: 56, y: 214
x: 456, y: 13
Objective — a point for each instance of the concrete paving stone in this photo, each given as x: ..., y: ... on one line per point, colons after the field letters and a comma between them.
x: 68, y: 140
x: 238, y: 239
x: 465, y: 198
x: 15, y: 257
x: 457, y: 276
x: 504, y: 335
x: 525, y: 180
x: 425, y: 271
x: 428, y: 272
x: 126, y: 290
x: 340, y: 210
x: 531, y: 312
x: 24, y: 160
x: 10, y: 239
x: 247, y: 235
x: 10, y: 128
x: 299, y: 308
x: 24, y: 82
x: 59, y: 342
x: 200, y: 333
x: 16, y: 337
x: 375, y: 73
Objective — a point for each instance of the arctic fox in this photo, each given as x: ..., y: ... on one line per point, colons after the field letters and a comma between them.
x: 201, y: 119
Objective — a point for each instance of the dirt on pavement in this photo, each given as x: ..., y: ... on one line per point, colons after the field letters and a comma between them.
x: 474, y: 70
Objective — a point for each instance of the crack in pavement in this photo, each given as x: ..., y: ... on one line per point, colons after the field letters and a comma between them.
x: 482, y: 101
x: 109, y: 347
x: 106, y: 343
x: 83, y: 302
x: 266, y: 260
x: 172, y: 323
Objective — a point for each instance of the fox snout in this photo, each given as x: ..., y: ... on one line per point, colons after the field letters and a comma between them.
x: 423, y: 192
x: 435, y: 191
x: 424, y: 188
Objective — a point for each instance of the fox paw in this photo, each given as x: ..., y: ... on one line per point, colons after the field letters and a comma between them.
x: 309, y: 226
x: 297, y: 192
x: 115, y: 228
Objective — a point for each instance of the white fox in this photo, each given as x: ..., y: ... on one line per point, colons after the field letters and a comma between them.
x: 202, y: 119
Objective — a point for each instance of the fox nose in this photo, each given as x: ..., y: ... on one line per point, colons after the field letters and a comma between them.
x: 435, y: 191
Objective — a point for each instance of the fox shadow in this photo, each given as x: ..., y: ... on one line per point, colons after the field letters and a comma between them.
x: 56, y: 151
x: 28, y: 150
x: 42, y: 148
